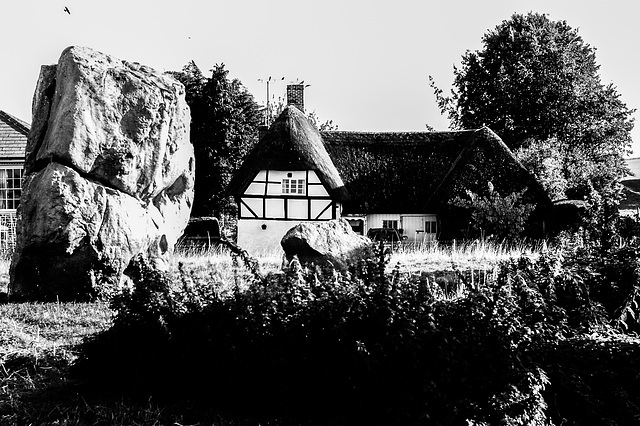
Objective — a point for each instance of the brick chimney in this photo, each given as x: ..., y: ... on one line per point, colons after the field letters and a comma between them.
x: 295, y: 96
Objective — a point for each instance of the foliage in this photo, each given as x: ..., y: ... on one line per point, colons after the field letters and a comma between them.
x: 537, y: 80
x: 503, y: 217
x: 365, y: 346
x: 324, y: 126
x: 531, y: 343
x: 602, y: 220
x: 544, y: 160
x: 629, y: 226
x: 224, y: 127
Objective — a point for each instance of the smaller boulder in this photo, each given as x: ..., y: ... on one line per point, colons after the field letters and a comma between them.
x: 326, y: 243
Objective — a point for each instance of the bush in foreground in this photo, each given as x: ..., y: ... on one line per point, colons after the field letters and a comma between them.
x: 360, y: 347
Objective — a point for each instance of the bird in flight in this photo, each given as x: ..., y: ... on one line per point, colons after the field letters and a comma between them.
x: 66, y: 9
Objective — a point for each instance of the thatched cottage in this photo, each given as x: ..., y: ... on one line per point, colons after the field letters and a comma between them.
x: 401, y: 180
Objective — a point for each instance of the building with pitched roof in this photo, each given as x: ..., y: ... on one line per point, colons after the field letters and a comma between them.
x: 401, y: 180
x: 13, y: 141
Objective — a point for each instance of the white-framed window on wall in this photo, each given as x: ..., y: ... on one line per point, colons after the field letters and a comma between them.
x: 10, y: 187
x: 293, y: 186
x: 390, y: 224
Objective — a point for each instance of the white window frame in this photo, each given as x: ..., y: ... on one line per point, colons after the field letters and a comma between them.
x: 292, y: 186
x: 390, y: 224
x: 10, y: 188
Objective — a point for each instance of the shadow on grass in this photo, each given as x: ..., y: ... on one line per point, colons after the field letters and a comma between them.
x: 45, y: 391
x: 38, y: 390
x: 205, y: 385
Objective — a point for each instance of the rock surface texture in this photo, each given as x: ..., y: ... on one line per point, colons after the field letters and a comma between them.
x: 326, y: 243
x: 109, y: 176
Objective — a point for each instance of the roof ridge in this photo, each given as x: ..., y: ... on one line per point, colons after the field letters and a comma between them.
x: 15, y: 122
x: 399, y: 139
x: 396, y: 132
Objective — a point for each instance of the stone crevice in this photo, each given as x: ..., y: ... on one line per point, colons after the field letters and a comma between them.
x: 44, y: 163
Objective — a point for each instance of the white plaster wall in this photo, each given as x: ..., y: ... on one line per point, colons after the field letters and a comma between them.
x: 278, y: 175
x: 313, y: 177
x: 258, y: 241
x: 298, y: 208
x: 407, y: 222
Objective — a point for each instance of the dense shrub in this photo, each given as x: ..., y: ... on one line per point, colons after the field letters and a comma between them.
x: 364, y: 346
x: 492, y: 214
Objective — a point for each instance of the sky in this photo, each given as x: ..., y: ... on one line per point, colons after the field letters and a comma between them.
x: 367, y: 62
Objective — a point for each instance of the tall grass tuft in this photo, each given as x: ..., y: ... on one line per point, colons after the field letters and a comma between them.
x: 474, y: 254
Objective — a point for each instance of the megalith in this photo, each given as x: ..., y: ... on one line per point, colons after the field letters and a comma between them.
x: 326, y: 243
x: 109, y: 176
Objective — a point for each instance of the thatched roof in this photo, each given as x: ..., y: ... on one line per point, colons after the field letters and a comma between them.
x: 390, y: 172
x: 291, y: 143
x: 419, y: 172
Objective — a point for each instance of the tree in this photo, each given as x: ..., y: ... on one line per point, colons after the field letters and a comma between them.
x: 536, y: 81
x: 327, y: 125
x: 544, y: 160
x: 224, y: 127
x: 504, y: 217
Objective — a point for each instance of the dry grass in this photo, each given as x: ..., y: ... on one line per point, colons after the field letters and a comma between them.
x: 219, y: 259
x: 472, y: 255
x: 34, y: 329
x: 38, y: 343
x: 5, y: 262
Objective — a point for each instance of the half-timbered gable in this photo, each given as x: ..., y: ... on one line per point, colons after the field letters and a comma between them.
x: 287, y: 195
x: 286, y: 179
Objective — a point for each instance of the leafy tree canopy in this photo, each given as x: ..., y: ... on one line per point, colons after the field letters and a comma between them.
x: 503, y: 217
x: 224, y: 127
x: 534, y: 81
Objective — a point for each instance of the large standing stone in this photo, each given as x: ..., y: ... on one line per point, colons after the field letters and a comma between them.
x: 108, y: 175
x: 328, y: 242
